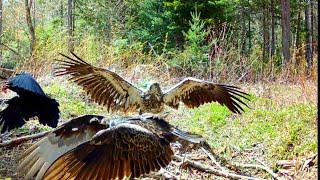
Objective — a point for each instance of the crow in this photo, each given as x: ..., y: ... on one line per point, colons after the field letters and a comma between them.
x: 30, y: 102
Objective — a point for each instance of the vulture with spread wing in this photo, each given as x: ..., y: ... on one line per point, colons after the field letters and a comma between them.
x: 93, y: 147
x: 30, y: 102
x: 108, y: 88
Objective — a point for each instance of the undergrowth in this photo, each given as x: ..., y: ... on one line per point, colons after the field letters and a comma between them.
x: 285, y: 130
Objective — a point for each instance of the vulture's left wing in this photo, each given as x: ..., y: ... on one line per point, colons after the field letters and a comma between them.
x: 36, y: 160
x: 125, y: 150
x: 194, y: 92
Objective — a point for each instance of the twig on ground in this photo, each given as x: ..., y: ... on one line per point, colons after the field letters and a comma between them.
x: 258, y: 166
x: 19, y: 140
x: 286, y: 163
x: 269, y: 170
x: 308, y: 160
x: 213, y: 159
x: 212, y: 170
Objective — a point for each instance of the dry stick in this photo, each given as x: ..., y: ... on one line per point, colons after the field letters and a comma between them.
x: 213, y: 159
x: 258, y: 166
x: 212, y: 170
x: 19, y: 140
x: 263, y: 166
x: 308, y: 160
x: 267, y: 169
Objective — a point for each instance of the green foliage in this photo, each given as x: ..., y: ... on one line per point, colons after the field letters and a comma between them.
x: 148, y: 23
x: 285, y: 130
x: 194, y: 55
x: 73, y: 100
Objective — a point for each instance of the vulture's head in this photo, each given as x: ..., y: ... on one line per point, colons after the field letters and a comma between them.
x: 155, y: 89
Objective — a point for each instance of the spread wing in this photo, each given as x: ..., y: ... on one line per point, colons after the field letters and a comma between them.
x: 194, y: 92
x: 37, y: 159
x: 105, y: 87
x: 126, y: 150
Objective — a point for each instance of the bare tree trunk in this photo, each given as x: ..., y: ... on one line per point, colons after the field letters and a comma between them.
x: 308, y: 35
x: 28, y: 5
x: 265, y: 33
x: 315, y: 25
x: 273, y: 37
x: 71, y: 25
x: 243, y: 30
x: 249, y: 32
x: 297, y: 45
x: 313, y: 29
x: 1, y: 30
x: 285, y: 23
x: 61, y: 12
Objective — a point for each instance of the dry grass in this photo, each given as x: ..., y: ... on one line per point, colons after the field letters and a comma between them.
x: 282, y: 114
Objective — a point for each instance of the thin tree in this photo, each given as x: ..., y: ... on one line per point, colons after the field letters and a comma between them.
x: 308, y: 34
x: 61, y: 12
x: 265, y: 31
x: 1, y: 31
x: 32, y: 34
x: 273, y: 24
x: 286, y: 29
x: 71, y: 25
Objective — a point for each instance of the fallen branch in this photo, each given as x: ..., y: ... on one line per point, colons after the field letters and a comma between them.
x: 269, y: 170
x: 258, y: 166
x: 212, y: 170
x: 308, y: 161
x: 6, y: 73
x: 19, y: 140
x: 213, y: 159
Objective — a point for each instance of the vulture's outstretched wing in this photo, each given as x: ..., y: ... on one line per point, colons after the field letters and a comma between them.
x: 105, y: 87
x: 36, y: 160
x: 194, y: 92
x: 121, y: 151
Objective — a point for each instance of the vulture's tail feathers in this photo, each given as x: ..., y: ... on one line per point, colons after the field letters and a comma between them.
x: 49, y: 112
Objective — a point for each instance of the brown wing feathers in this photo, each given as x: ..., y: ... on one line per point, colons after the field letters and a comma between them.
x: 229, y: 96
x: 105, y: 87
x: 125, y: 151
x: 193, y: 93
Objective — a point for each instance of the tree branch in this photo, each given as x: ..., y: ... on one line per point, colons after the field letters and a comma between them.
x: 212, y: 170
x: 19, y: 140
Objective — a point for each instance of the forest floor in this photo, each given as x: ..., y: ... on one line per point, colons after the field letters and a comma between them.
x: 278, y: 132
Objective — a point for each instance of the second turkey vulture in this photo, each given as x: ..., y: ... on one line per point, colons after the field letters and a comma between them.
x: 93, y: 147
x: 30, y: 102
x: 108, y: 88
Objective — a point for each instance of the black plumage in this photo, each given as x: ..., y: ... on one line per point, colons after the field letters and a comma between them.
x: 30, y: 102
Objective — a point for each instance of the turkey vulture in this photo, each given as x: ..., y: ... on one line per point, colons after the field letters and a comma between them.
x: 30, y: 102
x: 94, y: 147
x: 108, y: 88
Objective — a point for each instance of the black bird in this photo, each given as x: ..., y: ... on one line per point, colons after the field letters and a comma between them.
x: 30, y: 102
x: 93, y: 147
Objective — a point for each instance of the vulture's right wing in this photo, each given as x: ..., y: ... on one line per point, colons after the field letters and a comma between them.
x: 37, y: 159
x: 125, y: 150
x: 105, y: 87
